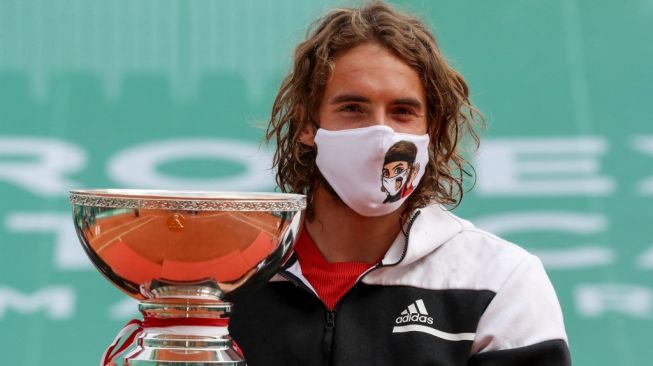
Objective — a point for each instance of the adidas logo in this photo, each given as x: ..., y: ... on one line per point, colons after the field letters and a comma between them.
x: 415, y: 318
x: 415, y: 313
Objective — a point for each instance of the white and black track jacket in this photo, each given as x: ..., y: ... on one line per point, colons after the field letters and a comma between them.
x: 446, y: 293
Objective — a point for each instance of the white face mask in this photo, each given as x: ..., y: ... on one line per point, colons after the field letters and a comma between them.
x: 372, y: 169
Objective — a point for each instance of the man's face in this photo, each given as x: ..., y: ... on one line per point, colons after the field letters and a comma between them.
x: 371, y: 86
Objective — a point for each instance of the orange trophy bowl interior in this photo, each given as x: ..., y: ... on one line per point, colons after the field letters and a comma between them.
x: 144, y: 245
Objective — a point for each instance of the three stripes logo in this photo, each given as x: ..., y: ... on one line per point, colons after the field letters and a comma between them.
x: 415, y: 313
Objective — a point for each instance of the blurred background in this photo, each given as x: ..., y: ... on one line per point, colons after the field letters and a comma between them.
x: 174, y: 94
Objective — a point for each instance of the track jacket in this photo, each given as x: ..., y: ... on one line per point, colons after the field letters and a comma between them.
x: 446, y: 293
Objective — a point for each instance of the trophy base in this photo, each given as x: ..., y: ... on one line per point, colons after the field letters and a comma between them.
x: 177, y: 332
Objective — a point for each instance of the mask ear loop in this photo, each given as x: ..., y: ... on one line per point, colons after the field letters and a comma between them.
x: 312, y: 121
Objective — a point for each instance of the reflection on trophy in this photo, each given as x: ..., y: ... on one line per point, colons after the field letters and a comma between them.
x: 181, y: 254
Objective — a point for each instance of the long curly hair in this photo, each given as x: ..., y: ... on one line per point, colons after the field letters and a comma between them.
x: 450, y: 113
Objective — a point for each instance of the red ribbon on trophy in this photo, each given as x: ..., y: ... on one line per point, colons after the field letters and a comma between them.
x: 136, y: 326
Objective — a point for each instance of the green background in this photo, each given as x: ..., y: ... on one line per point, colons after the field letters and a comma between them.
x: 89, y: 87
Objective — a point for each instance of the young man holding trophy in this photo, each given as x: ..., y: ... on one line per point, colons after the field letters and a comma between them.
x: 368, y: 125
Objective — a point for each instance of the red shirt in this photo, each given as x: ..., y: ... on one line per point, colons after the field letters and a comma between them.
x: 331, y: 281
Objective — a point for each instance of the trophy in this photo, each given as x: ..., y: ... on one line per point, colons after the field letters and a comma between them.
x: 181, y: 254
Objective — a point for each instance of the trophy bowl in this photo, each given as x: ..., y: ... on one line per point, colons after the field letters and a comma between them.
x: 181, y: 254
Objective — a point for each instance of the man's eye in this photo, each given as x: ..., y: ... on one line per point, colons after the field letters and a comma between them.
x: 403, y: 110
x: 351, y: 108
x: 399, y: 170
x: 386, y: 173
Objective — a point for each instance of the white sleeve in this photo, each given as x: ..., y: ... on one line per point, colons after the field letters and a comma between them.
x: 525, y: 311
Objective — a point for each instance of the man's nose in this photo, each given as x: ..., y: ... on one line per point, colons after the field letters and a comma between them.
x: 380, y: 117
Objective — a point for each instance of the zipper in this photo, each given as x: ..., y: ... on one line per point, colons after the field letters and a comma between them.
x: 407, y: 233
x: 330, y: 321
x: 327, y: 341
x: 403, y: 254
x: 291, y: 277
x: 410, y: 225
x: 296, y: 281
x: 330, y: 324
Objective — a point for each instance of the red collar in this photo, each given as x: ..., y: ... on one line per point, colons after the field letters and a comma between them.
x: 331, y: 281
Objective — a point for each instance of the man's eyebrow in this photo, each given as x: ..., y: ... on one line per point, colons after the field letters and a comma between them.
x: 408, y: 101
x: 349, y: 98
x: 342, y: 98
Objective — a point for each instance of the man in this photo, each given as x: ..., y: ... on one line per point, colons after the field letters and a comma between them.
x: 388, y: 282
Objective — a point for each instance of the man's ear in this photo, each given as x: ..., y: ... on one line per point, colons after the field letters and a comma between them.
x: 307, y: 135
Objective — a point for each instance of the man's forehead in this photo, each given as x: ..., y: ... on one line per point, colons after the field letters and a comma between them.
x: 370, y: 68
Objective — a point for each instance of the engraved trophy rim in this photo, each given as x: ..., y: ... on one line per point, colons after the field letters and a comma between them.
x: 188, y: 200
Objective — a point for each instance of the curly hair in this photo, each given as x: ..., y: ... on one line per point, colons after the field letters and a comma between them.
x: 450, y: 114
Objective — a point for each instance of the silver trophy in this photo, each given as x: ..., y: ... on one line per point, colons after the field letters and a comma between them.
x: 180, y: 254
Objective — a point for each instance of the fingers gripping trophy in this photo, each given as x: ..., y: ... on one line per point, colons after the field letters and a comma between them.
x: 181, y: 254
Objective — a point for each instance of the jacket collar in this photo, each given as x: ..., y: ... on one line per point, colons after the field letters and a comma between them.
x: 428, y: 229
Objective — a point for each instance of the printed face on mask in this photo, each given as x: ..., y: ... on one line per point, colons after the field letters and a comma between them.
x: 397, y: 183
x: 399, y: 171
x: 394, y: 172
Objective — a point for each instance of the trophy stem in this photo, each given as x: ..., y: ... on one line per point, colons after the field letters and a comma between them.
x: 179, y: 332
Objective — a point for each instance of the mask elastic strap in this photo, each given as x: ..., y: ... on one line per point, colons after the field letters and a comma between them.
x: 313, y: 122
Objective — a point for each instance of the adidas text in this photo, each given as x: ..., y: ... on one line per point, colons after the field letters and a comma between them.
x: 414, y: 318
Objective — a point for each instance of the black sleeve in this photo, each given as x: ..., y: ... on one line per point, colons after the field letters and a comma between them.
x: 548, y: 353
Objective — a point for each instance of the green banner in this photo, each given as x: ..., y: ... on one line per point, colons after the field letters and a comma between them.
x: 175, y: 94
